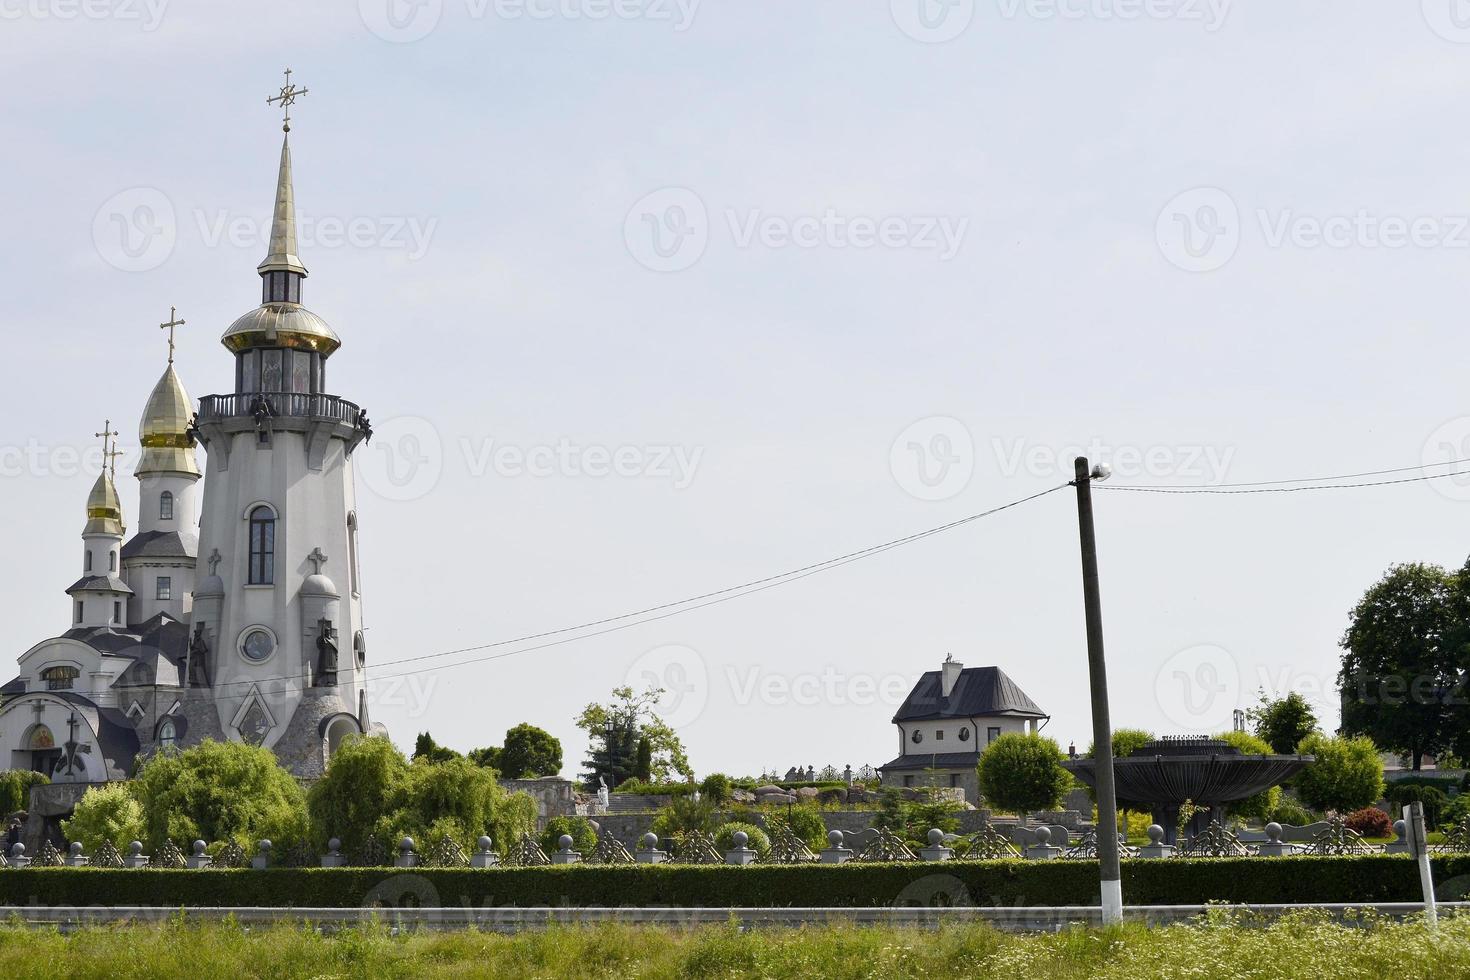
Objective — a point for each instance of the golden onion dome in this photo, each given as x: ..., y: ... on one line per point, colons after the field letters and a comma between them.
x: 104, y: 509
x: 168, y: 446
x: 281, y: 325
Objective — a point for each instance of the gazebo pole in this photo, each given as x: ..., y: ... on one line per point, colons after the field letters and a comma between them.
x: 1102, y: 728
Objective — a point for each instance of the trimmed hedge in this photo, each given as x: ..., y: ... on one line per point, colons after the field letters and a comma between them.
x: 1305, y: 880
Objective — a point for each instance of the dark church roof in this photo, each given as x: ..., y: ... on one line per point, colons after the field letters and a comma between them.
x: 936, y: 760
x: 161, y: 544
x: 978, y: 691
x: 99, y: 583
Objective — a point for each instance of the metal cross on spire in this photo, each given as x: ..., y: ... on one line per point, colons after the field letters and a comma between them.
x: 107, y: 434
x: 287, y: 98
x: 173, y: 321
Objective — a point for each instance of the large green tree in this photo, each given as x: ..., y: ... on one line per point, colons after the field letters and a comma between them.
x: 1346, y: 776
x: 529, y: 752
x: 1021, y: 774
x: 217, y: 791
x: 1405, y: 662
x: 1282, y: 723
x: 615, y: 729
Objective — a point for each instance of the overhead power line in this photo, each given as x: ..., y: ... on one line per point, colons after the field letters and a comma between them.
x: 1228, y: 489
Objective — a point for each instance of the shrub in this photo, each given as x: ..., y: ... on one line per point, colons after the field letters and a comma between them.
x: 217, y: 791
x: 684, y: 815
x: 804, y: 820
x: 1292, y: 813
x: 759, y: 842
x: 1347, y: 774
x: 1370, y: 822
x: 584, y: 838
x: 105, y: 813
x: 1023, y: 773
x: 716, y: 787
x: 1263, y: 803
x: 1435, y: 803
x: 15, y: 789
x: 1357, y: 879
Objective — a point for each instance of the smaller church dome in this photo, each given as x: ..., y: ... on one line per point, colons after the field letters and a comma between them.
x: 104, y: 508
x: 164, y: 430
x: 210, y: 585
x: 320, y: 585
x: 281, y: 325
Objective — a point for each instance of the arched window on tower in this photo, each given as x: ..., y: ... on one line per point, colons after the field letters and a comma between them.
x: 166, y: 506
x: 262, y: 546
x: 168, y: 734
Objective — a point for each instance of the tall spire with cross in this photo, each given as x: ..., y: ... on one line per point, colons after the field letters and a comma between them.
x: 283, y: 258
x: 173, y: 323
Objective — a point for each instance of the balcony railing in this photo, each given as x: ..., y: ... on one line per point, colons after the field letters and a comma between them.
x: 281, y: 404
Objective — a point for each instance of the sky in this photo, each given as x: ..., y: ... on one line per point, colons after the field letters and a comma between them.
x: 648, y: 299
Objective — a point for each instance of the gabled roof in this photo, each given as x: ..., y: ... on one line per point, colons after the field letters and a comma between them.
x: 978, y: 691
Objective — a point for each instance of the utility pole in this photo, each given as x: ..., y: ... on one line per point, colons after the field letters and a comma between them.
x: 1102, y: 728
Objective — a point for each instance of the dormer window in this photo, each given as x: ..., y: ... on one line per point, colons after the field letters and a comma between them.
x: 60, y: 678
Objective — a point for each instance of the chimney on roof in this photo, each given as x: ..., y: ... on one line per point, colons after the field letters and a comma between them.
x: 949, y: 674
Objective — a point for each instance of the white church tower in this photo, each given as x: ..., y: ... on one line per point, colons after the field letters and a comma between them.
x: 100, y: 596
x: 278, y: 654
x: 158, y: 561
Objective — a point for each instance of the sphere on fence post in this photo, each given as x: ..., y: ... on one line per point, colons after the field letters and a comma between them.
x: 836, y: 852
x: 198, y: 859
x: 136, y: 858
x: 1156, y: 848
x: 565, y: 855
x: 75, y: 858
x: 1274, y: 845
x: 406, y: 857
x: 484, y: 856
x: 262, y: 859
x: 936, y: 851
x: 333, y: 857
x: 648, y: 852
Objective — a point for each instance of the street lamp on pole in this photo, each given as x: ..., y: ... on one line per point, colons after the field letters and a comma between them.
x: 1102, y: 730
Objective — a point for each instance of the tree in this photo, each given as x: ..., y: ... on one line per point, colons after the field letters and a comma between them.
x: 643, y: 760
x: 489, y: 757
x: 717, y: 787
x: 614, y: 729
x: 217, y: 791
x: 1023, y: 773
x: 15, y: 789
x: 529, y: 752
x: 426, y: 748
x: 105, y: 813
x: 584, y: 838
x: 363, y: 781
x: 1264, y: 803
x: 1403, y: 661
x: 1346, y: 776
x: 1283, y: 722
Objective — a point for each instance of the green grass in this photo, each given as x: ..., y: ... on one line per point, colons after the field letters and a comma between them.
x: 1305, y: 945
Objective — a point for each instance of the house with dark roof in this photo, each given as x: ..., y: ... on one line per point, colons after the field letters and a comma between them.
x: 949, y: 718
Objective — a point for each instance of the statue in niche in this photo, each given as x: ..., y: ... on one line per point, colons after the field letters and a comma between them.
x: 326, y: 645
x: 198, y: 659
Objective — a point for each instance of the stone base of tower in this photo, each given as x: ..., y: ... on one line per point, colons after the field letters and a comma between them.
x: 200, y: 719
x: 317, y: 726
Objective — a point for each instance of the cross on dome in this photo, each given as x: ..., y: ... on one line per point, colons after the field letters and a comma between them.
x: 287, y: 98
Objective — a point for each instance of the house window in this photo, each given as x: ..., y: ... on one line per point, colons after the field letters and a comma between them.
x: 117, y: 611
x: 168, y: 734
x: 917, y: 737
x: 939, y: 735
x: 262, y: 546
x: 165, y: 506
x: 165, y: 587
x: 991, y: 734
x: 60, y: 678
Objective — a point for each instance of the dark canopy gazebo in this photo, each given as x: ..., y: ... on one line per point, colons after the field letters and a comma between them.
x: 1162, y: 775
